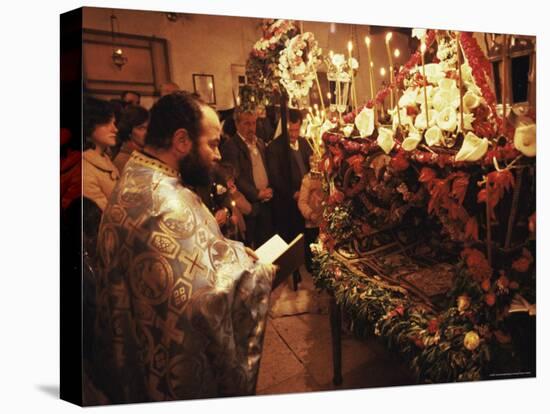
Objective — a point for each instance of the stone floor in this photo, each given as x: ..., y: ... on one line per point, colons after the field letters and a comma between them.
x: 297, y: 352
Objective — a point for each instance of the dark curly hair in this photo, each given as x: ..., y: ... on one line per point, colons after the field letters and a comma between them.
x: 170, y: 113
x: 96, y: 112
x: 131, y: 117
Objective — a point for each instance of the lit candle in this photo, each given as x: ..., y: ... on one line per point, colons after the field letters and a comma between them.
x: 329, y: 97
x: 388, y: 38
x: 422, y: 51
x: 396, y: 53
x: 371, y: 77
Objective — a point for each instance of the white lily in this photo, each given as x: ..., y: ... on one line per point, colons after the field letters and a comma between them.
x: 473, y: 148
x: 434, y: 72
x: 385, y: 139
x: 364, y: 122
x: 327, y: 126
x: 525, y: 139
x: 446, y: 97
x: 446, y: 120
x: 411, y: 142
x: 406, y: 120
x: 430, y: 91
x: 420, y: 120
x: 433, y: 136
x: 468, y: 119
x: 347, y: 130
x: 466, y: 73
x: 470, y: 101
x: 409, y: 97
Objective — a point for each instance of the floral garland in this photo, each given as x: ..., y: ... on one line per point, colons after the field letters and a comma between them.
x: 298, y: 65
x: 262, y: 65
x: 462, y: 342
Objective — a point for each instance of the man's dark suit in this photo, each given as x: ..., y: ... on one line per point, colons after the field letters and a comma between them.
x: 259, y: 223
x: 288, y: 220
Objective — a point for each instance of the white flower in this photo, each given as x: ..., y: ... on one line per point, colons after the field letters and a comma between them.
x: 338, y: 59
x: 468, y: 119
x: 420, y: 120
x: 385, y: 139
x: 430, y: 91
x: 447, y: 84
x: 444, y: 98
x: 327, y: 126
x: 433, y: 136
x: 466, y: 73
x: 434, y: 72
x: 405, y: 119
x: 525, y: 139
x: 409, y: 97
x: 470, y: 101
x: 473, y: 148
x: 411, y: 142
x: 419, y: 34
x: 446, y: 120
x: 347, y: 130
x: 364, y: 122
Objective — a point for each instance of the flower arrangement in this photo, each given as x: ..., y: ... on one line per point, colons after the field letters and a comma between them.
x: 298, y: 65
x: 262, y: 66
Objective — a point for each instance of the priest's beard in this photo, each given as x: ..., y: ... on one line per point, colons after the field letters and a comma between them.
x: 194, y: 171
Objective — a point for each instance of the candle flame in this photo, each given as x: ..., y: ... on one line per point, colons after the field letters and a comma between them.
x: 396, y: 53
x: 383, y: 71
x: 367, y: 41
x: 388, y: 37
x: 372, y: 64
x: 329, y: 95
x: 350, y: 46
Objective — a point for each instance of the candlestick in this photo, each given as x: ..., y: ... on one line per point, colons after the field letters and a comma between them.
x: 504, y: 82
x: 388, y: 38
x: 459, y: 64
x: 352, y: 97
x: 422, y: 51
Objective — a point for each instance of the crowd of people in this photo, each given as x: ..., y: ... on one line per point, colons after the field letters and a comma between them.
x: 174, y: 206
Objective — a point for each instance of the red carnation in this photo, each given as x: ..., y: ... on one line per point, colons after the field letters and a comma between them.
x: 490, y: 299
x: 521, y: 265
x: 399, y: 162
x: 486, y: 285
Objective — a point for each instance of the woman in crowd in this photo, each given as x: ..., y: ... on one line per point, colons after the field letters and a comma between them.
x: 99, y: 173
x: 132, y: 128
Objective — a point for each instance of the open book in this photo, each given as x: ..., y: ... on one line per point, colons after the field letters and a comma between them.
x: 520, y: 304
x: 288, y: 257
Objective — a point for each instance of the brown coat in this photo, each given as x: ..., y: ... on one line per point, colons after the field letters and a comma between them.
x: 99, y: 177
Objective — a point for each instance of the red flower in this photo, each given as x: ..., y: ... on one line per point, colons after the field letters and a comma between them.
x: 514, y: 285
x: 486, y: 285
x: 472, y: 230
x: 433, y: 326
x: 427, y: 175
x: 490, y: 299
x: 503, y: 282
x: 477, y: 264
x: 521, y: 265
x: 400, y: 310
x: 336, y: 198
x: 399, y: 162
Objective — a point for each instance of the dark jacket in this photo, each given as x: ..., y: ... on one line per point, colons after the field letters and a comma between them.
x: 235, y: 151
x: 286, y: 181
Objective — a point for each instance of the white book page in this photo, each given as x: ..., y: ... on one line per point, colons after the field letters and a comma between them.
x: 271, y: 249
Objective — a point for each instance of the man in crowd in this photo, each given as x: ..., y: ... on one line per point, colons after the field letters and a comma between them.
x: 247, y: 155
x: 130, y: 97
x: 288, y: 162
x: 181, y: 309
